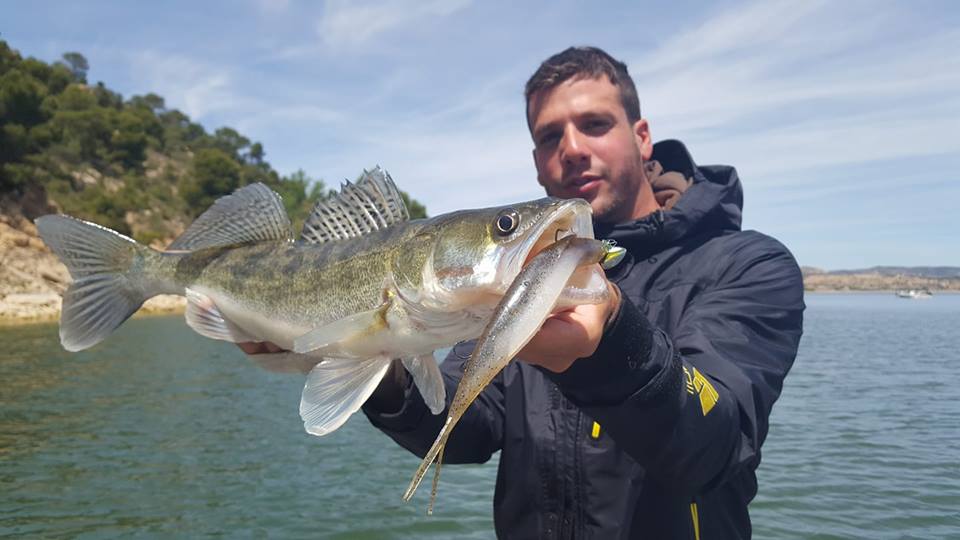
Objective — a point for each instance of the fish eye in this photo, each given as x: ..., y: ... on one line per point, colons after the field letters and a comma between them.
x: 507, y: 222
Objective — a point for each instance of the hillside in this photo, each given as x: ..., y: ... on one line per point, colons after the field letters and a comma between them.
x: 883, y: 278
x: 132, y: 164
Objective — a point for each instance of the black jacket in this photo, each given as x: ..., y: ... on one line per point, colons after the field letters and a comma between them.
x: 658, y: 434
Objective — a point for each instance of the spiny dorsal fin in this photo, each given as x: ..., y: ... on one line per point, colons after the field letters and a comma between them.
x: 250, y: 214
x: 373, y: 203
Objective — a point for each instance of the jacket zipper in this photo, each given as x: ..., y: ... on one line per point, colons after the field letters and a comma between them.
x: 695, y: 517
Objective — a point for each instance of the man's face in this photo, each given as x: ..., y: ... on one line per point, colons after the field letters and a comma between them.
x: 585, y: 147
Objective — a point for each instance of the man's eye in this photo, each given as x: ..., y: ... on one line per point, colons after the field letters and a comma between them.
x: 596, y: 126
x: 548, y: 139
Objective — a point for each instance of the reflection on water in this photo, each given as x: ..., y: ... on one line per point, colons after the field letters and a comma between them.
x: 159, y: 432
x: 865, y: 440
x: 163, y: 432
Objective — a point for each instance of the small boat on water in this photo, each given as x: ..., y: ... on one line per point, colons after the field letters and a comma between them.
x: 915, y: 294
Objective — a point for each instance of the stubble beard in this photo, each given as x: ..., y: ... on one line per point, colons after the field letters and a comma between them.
x: 619, y: 209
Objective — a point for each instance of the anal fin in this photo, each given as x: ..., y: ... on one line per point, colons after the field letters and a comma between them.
x: 339, y: 331
x: 427, y: 377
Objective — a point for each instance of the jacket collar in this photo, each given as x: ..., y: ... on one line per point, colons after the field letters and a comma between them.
x: 713, y: 202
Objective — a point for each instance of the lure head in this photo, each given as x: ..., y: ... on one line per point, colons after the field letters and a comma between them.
x: 612, y: 255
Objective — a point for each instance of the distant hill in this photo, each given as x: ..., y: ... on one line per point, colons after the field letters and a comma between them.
x: 132, y: 164
x: 934, y: 272
x: 942, y: 278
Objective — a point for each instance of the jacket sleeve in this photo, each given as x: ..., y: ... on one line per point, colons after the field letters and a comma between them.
x: 692, y: 408
x: 476, y: 436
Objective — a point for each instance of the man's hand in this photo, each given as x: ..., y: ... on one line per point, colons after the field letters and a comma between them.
x: 264, y: 355
x: 255, y: 347
x: 388, y: 397
x: 571, y: 334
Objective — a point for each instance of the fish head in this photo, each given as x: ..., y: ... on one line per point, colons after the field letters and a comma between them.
x: 478, y: 253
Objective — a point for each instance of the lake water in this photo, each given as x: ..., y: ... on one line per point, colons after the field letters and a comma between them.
x: 159, y: 432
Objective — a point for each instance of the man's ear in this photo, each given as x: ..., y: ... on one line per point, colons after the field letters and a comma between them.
x: 641, y: 134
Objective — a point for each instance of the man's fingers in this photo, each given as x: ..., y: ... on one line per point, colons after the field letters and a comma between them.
x: 251, y: 347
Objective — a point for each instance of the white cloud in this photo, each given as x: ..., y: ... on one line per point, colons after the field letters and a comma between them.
x: 197, y: 88
x: 272, y: 6
x: 346, y: 23
x: 778, y: 86
x: 747, y: 27
x: 482, y: 161
x: 786, y: 92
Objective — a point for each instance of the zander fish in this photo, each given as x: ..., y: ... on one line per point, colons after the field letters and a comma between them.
x: 541, y: 287
x: 362, y: 285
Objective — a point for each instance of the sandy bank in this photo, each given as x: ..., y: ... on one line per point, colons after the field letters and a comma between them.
x: 25, y: 308
x: 32, y: 278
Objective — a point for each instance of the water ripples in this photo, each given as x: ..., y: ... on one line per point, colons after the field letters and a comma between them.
x: 160, y: 433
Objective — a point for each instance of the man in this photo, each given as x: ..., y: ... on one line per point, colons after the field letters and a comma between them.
x: 642, y: 417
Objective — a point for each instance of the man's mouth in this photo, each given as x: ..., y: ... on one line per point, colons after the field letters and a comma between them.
x: 584, y: 186
x: 583, y: 180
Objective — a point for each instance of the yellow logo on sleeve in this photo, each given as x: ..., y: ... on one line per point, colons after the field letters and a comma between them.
x: 697, y: 384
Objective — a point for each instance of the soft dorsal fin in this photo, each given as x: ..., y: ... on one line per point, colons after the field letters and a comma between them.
x: 373, y: 203
x: 250, y: 214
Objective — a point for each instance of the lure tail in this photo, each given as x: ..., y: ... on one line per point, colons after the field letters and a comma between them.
x: 434, y: 454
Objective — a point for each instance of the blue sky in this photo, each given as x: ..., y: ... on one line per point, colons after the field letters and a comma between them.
x: 843, y: 118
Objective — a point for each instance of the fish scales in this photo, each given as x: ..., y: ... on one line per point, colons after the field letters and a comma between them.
x: 300, y: 282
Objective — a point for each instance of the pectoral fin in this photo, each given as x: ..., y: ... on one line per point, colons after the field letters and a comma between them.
x: 335, y: 389
x: 427, y: 377
x: 338, y: 331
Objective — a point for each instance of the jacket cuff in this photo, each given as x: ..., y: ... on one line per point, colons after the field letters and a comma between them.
x: 622, y: 364
x: 406, y: 419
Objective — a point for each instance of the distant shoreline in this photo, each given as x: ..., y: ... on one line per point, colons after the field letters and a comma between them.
x: 25, y: 309
x: 870, y: 291
x: 176, y: 305
x: 32, y: 279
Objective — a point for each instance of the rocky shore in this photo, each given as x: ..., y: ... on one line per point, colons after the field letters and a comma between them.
x: 32, y: 279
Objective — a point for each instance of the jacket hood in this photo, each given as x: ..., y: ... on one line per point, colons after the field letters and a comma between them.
x: 713, y: 202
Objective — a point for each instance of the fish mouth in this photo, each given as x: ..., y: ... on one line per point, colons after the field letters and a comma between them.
x: 571, y: 217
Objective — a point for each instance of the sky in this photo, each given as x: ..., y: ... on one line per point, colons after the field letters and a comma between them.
x: 841, y: 117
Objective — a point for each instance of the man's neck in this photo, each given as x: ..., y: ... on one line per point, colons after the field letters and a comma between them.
x: 646, y: 202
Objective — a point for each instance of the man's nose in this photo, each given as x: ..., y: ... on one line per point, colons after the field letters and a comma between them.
x: 573, y: 149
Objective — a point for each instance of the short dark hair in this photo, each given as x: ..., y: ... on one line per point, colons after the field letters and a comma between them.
x: 585, y: 63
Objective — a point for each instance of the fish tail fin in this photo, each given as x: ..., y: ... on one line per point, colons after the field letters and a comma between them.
x: 108, y: 283
x: 434, y: 454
